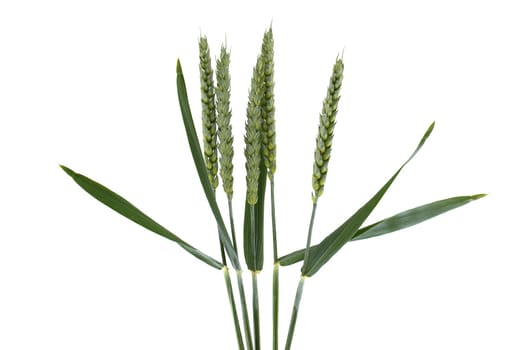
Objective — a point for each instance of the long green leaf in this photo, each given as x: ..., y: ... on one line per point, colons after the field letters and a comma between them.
x: 197, y: 155
x: 335, y: 241
x: 413, y: 216
x: 260, y: 218
x: 128, y: 210
x: 396, y: 222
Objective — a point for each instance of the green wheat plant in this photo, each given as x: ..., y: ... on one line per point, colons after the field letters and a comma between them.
x: 213, y: 156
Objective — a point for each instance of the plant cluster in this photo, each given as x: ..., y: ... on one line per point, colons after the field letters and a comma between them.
x: 215, y: 160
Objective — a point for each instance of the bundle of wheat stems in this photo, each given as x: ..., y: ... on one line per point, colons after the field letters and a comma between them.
x: 216, y: 157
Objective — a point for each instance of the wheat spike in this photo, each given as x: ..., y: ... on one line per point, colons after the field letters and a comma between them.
x: 268, y: 109
x: 253, y: 131
x: 327, y: 122
x: 224, y: 127
x: 208, y: 111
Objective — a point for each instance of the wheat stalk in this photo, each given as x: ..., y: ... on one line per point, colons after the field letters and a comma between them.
x: 269, y: 157
x: 210, y: 134
x: 224, y: 132
x: 253, y: 144
x: 322, y: 155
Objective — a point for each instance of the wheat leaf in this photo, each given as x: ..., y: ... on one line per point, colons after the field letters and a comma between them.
x: 396, y: 222
x: 260, y: 218
x: 128, y: 210
x: 197, y: 155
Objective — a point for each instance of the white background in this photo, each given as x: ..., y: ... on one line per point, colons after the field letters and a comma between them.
x: 92, y: 85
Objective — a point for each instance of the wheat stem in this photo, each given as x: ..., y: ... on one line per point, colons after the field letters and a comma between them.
x: 294, y: 315
x: 255, y: 307
x: 275, y: 306
x: 309, y: 235
x: 233, y: 307
x: 243, y: 300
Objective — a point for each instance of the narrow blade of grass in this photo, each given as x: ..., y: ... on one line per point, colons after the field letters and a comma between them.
x: 256, y: 264
x: 128, y: 210
x: 396, y: 222
x: 335, y: 241
x: 413, y: 216
x: 197, y: 155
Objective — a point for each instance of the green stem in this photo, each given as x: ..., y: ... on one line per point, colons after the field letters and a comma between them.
x: 232, y: 227
x: 255, y: 307
x: 275, y: 305
x: 275, y: 275
x: 294, y: 316
x: 299, y: 290
x: 231, y: 300
x: 230, y: 292
x: 244, y: 308
x: 309, y: 236
x: 255, y: 294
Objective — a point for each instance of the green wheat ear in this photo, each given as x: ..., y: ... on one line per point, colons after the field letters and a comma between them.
x: 253, y: 131
x: 224, y: 127
x: 268, y: 109
x: 328, y: 113
x: 209, y: 111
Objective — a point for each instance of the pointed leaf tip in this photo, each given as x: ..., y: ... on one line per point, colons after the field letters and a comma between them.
x: 179, y: 69
x: 479, y: 196
x: 67, y: 170
x: 428, y: 131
